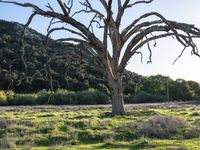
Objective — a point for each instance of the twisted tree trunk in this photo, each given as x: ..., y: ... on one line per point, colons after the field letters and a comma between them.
x: 116, y: 90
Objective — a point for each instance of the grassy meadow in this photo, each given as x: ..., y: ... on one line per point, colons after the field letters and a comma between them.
x: 144, y: 128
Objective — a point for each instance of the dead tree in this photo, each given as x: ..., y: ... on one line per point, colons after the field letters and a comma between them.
x: 117, y: 44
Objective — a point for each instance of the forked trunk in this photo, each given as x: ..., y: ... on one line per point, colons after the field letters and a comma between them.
x: 116, y: 90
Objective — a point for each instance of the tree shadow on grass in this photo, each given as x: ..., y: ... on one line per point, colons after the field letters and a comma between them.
x: 136, y: 112
x: 136, y: 145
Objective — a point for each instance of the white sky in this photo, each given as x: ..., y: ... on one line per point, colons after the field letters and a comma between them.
x: 166, y: 50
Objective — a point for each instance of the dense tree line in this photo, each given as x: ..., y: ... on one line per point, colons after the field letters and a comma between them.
x: 54, y: 66
x: 156, y: 87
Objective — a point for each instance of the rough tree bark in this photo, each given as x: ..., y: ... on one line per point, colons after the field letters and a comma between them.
x: 116, y: 90
x: 117, y: 44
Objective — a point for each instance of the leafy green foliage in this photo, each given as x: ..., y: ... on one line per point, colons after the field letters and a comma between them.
x: 23, y: 99
x: 43, y: 97
x: 3, y: 98
x: 143, y: 97
x: 63, y: 97
x: 59, y: 97
x: 92, y: 96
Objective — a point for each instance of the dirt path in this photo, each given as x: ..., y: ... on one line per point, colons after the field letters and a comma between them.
x: 147, y: 105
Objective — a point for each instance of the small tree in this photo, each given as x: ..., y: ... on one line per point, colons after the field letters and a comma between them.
x: 117, y: 44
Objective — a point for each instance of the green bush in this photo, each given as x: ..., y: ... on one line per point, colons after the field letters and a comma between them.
x: 60, y: 97
x: 43, y: 97
x: 8, y: 141
x: 85, y: 97
x: 129, y: 99
x: 197, y: 98
x: 144, y: 97
x: 63, y: 97
x: 10, y: 94
x: 23, y: 99
x: 3, y: 124
x: 3, y: 98
x: 92, y: 96
x: 192, y: 132
x: 101, y: 98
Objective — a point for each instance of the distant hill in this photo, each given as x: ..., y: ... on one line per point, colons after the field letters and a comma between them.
x: 61, y: 62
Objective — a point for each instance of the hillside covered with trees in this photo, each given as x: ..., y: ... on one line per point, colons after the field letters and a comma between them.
x: 42, y: 62
x: 47, y: 64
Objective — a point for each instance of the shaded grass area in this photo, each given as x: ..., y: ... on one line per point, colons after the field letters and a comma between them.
x: 152, y: 128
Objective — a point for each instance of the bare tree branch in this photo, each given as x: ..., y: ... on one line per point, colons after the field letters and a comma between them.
x: 139, y: 2
x: 150, y: 51
x: 50, y: 7
x: 91, y: 37
x: 138, y: 27
x: 119, y: 5
x: 129, y: 54
x: 62, y: 6
x: 120, y: 13
x: 25, y: 26
x: 179, y: 55
x: 141, y: 55
x: 23, y: 5
x: 89, y: 9
x: 65, y: 29
x: 105, y: 5
x: 22, y: 41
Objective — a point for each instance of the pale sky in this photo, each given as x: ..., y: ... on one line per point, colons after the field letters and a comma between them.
x: 166, y: 51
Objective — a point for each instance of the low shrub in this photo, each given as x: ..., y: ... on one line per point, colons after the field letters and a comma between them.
x: 92, y: 96
x: 192, y: 132
x: 197, y: 122
x: 63, y: 97
x: 162, y: 127
x: 43, y: 97
x: 59, y: 97
x: 101, y: 98
x: 197, y: 98
x: 3, y: 98
x: 130, y: 99
x: 10, y: 94
x: 8, y: 141
x: 85, y: 97
x: 127, y: 131
x: 144, y: 97
x: 23, y: 99
x: 3, y: 123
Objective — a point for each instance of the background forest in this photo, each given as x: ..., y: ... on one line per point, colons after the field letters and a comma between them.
x: 55, y: 66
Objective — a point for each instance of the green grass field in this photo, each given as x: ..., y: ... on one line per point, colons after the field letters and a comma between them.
x: 144, y: 128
